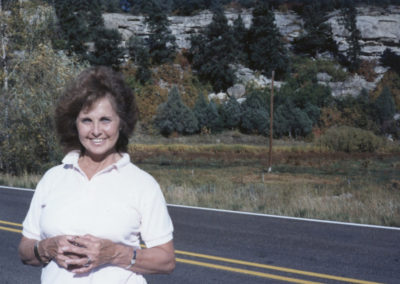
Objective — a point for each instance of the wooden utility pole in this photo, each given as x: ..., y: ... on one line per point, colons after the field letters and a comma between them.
x: 271, y: 122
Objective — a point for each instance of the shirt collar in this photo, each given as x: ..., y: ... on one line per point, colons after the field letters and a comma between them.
x: 71, y: 161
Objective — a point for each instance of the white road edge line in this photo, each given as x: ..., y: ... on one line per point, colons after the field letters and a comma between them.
x: 253, y: 214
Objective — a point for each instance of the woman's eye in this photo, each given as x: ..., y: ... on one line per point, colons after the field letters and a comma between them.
x: 85, y: 120
x: 105, y: 119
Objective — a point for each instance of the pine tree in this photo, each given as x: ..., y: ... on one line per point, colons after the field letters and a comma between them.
x: 214, y: 121
x: 73, y: 23
x: 391, y: 59
x: 231, y: 113
x: 266, y: 49
x: 200, y: 110
x: 139, y: 53
x: 212, y: 53
x: 384, y: 105
x: 255, y: 117
x: 240, y: 35
x: 318, y: 35
x: 175, y: 116
x: 349, y: 17
x: 108, y: 50
x: 162, y: 44
x: 291, y: 120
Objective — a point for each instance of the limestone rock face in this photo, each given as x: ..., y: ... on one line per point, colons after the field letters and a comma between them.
x: 379, y: 28
x: 182, y: 27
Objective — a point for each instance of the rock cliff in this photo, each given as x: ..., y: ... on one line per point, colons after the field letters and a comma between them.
x: 379, y: 28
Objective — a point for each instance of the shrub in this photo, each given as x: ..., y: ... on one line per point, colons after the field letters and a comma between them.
x: 200, y: 110
x: 350, y: 139
x: 175, y: 116
x: 255, y: 116
x: 28, y: 141
x: 231, y: 113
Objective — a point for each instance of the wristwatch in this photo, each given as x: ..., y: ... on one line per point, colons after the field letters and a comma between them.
x: 133, y: 260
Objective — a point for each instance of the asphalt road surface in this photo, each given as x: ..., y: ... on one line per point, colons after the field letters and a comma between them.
x: 226, y: 247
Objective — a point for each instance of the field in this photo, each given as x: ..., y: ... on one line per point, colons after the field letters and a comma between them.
x: 305, y: 181
x: 230, y: 172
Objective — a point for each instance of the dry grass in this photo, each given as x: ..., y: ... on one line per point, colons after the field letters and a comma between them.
x: 306, y: 180
x: 25, y: 181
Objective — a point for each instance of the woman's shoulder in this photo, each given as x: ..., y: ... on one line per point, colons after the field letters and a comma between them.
x: 133, y: 171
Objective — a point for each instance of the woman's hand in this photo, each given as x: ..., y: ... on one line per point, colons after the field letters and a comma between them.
x: 93, y: 252
x: 59, y: 249
x: 55, y: 248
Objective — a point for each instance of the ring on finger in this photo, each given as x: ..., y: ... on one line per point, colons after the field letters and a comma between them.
x: 88, y: 263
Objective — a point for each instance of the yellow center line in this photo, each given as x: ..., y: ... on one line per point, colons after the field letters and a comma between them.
x: 241, y: 262
x: 10, y: 223
x: 10, y: 229
x: 245, y: 271
x: 283, y: 269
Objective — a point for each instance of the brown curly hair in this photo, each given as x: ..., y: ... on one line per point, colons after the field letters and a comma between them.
x: 91, y: 85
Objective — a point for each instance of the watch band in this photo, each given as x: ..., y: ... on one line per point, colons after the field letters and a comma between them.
x: 37, y: 255
x: 133, y: 260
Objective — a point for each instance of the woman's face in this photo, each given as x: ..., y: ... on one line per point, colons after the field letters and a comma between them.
x: 98, y: 129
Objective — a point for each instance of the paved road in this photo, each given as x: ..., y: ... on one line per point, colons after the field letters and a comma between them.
x: 223, y: 247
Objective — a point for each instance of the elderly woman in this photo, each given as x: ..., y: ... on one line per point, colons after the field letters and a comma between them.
x: 88, y: 215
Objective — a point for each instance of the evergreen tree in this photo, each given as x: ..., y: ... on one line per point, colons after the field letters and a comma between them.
x: 240, y: 35
x: 162, y: 44
x: 267, y: 51
x: 212, y: 53
x: 318, y: 34
x: 108, y: 50
x: 214, y: 120
x: 139, y: 53
x: 231, y: 113
x: 74, y: 27
x: 200, y: 110
x: 349, y: 17
x: 291, y: 120
x: 175, y: 116
x: 391, y: 59
x: 385, y: 107
x: 255, y: 117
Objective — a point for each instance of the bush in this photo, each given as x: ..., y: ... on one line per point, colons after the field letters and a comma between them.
x: 255, y: 116
x: 175, y: 116
x: 350, y: 139
x: 28, y: 142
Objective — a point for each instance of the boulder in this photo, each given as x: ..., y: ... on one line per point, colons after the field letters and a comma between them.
x: 352, y: 86
x: 237, y: 91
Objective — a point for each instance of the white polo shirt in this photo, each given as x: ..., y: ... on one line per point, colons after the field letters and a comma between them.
x: 121, y: 203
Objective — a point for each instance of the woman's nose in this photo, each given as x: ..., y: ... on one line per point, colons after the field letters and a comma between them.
x: 96, y: 130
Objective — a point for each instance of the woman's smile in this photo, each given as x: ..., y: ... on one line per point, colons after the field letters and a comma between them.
x: 98, y: 129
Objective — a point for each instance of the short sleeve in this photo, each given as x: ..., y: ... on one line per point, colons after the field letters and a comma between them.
x: 31, y: 224
x: 156, y: 225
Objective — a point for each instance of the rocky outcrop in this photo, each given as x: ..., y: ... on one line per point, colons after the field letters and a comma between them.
x: 379, y: 28
x: 182, y: 27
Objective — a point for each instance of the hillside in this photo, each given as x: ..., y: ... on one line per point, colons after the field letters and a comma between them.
x: 333, y: 67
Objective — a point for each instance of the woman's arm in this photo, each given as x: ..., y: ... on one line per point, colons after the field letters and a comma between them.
x: 26, y: 252
x: 46, y: 250
x: 159, y: 259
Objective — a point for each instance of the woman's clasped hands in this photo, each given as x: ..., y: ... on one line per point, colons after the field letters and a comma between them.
x: 80, y: 254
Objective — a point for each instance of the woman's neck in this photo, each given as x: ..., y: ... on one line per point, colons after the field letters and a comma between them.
x: 91, y: 165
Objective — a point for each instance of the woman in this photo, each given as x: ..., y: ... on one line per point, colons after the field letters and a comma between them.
x: 88, y: 214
